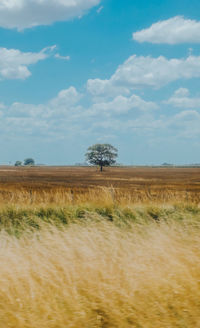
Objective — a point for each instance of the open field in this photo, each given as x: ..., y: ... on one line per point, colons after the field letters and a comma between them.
x: 84, y: 249
x: 84, y: 177
x: 84, y: 183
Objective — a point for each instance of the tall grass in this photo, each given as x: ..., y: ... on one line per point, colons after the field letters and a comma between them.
x: 98, y: 196
x: 101, y: 275
x: 17, y: 219
x: 99, y: 258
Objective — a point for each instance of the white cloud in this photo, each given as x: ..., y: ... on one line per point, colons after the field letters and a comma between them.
x: 53, y: 118
x: 23, y: 14
x: 181, y: 92
x: 62, y: 57
x: 188, y: 115
x: 63, y: 117
x: 64, y: 114
x: 122, y: 105
x: 175, y: 30
x: 145, y: 124
x: 99, y: 10
x: 147, y: 71
x: 182, y: 125
x: 14, y: 63
x: 186, y: 124
x: 99, y: 87
x: 67, y: 98
x: 181, y: 99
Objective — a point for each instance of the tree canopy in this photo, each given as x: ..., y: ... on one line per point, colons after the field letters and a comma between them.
x: 29, y: 161
x: 101, y: 155
x: 18, y: 163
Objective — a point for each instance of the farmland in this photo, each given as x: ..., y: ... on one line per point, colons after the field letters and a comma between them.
x: 85, y: 249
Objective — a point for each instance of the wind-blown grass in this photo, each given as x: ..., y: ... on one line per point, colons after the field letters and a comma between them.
x: 101, y: 275
x: 104, y: 196
x: 98, y: 260
x: 18, y: 219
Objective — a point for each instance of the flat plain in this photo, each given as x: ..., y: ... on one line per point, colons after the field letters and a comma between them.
x: 140, y: 183
x: 120, y: 177
x: 85, y: 249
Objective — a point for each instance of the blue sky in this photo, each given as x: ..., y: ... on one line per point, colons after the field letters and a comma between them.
x: 75, y: 73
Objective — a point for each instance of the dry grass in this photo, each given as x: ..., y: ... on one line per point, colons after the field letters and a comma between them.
x: 99, y: 196
x: 99, y: 275
x: 80, y: 185
x: 96, y: 256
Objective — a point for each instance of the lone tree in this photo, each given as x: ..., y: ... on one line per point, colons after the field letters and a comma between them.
x: 102, y: 155
x: 18, y: 163
x: 29, y: 161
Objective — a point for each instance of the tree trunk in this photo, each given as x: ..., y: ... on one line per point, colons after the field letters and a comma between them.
x: 101, y: 168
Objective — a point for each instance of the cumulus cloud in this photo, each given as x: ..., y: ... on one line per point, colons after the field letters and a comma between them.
x: 66, y: 98
x: 49, y: 119
x: 23, y: 14
x: 98, y: 87
x: 122, y: 105
x: 187, y: 124
x: 181, y: 92
x: 181, y: 98
x: 14, y: 63
x: 175, y: 30
x: 140, y: 71
x: 64, y: 114
x: 58, y: 56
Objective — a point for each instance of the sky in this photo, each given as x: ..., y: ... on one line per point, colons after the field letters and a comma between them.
x: 74, y: 73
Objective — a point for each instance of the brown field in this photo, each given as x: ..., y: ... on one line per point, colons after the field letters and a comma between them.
x: 133, y: 183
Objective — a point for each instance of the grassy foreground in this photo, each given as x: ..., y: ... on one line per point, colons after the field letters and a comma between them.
x: 107, y: 266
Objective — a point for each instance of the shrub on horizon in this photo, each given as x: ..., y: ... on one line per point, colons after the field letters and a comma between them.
x: 29, y: 161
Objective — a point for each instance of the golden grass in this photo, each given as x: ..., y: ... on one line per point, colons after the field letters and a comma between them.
x: 99, y: 258
x: 99, y: 275
x: 98, y: 196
